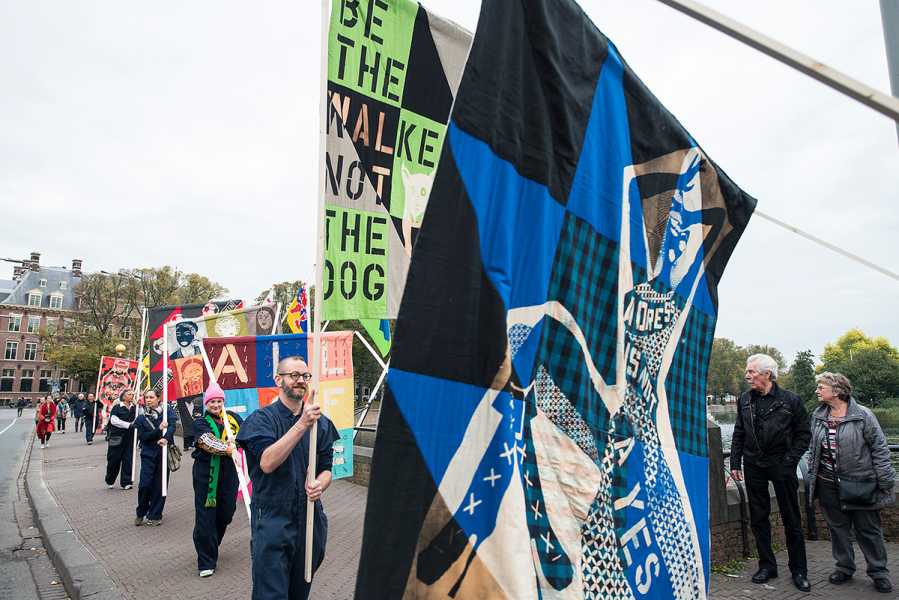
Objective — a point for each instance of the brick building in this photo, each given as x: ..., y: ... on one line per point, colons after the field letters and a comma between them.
x: 36, y: 300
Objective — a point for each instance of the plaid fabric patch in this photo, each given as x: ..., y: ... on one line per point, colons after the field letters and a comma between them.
x: 686, y: 384
x: 585, y: 281
x: 561, y: 356
x: 554, y: 562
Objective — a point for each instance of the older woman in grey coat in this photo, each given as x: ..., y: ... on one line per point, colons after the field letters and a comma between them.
x: 851, y: 475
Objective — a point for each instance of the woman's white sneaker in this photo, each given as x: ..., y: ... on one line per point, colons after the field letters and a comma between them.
x: 207, y: 572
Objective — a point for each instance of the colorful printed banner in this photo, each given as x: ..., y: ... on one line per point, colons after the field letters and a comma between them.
x: 542, y: 434
x: 185, y: 360
x: 245, y: 368
x: 393, y: 69
x: 297, y: 315
x: 157, y: 317
x: 115, y: 375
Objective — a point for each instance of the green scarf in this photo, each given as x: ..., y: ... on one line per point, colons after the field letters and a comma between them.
x: 215, y: 466
x: 215, y: 462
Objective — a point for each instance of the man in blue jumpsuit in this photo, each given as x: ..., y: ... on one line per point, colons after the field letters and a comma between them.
x: 276, y: 440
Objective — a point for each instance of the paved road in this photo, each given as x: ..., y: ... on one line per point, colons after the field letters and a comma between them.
x: 15, y: 576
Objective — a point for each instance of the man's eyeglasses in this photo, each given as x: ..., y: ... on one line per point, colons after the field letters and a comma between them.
x: 296, y: 375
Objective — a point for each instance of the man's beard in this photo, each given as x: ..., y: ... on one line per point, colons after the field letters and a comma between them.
x: 288, y: 391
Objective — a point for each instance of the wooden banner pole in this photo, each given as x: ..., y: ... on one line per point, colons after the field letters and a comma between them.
x: 140, y: 354
x: 165, y: 406
x: 319, y: 257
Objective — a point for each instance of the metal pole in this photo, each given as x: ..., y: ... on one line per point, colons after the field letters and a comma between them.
x: 371, y: 399
x: 889, y: 14
x: 882, y: 103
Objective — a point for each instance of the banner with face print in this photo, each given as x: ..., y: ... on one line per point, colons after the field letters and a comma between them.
x: 393, y: 69
x: 544, y: 414
x: 115, y: 375
x: 158, y: 316
x: 184, y: 335
x: 245, y: 368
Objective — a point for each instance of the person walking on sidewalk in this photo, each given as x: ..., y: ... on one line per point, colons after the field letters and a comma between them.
x: 276, y: 440
x: 121, y: 430
x: 770, y: 436
x: 62, y: 413
x: 78, y: 411
x: 214, y: 477
x: 44, y: 417
x: 852, y: 476
x: 20, y: 406
x: 154, y: 436
x: 91, y: 412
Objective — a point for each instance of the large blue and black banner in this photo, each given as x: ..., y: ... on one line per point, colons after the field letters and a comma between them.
x: 543, y: 433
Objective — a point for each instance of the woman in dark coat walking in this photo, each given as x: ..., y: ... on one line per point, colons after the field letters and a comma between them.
x: 851, y: 475
x: 154, y: 436
x: 121, y: 430
x: 214, y: 476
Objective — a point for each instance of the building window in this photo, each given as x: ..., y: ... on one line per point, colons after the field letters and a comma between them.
x: 126, y: 332
x: 63, y: 285
x: 43, y: 283
x: 55, y: 301
x: 44, y: 383
x: 51, y: 325
x: 44, y: 352
x: 30, y: 351
x: 27, y: 380
x: 6, y: 380
x: 15, y: 323
x: 34, y: 324
x: 12, y: 349
x: 34, y: 299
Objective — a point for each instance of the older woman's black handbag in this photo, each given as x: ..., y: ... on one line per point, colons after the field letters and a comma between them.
x: 857, y: 491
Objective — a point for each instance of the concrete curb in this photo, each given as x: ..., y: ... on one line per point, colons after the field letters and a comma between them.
x: 82, y: 573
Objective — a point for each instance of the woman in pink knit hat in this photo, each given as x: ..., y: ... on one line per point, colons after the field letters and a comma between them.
x: 215, y: 477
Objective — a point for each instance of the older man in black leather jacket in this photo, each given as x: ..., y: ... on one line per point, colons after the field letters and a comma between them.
x: 771, y: 434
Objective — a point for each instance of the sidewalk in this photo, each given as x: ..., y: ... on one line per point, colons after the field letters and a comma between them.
x: 159, y: 562
x: 820, y: 562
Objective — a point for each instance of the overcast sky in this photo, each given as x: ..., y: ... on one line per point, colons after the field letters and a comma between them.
x: 184, y: 133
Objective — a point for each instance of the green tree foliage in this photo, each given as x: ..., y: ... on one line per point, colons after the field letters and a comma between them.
x: 871, y: 364
x: 284, y: 293
x: 727, y: 364
x: 802, y: 378
x: 769, y: 350
x: 107, y: 303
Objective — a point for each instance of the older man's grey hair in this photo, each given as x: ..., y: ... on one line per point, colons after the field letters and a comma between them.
x: 763, y: 364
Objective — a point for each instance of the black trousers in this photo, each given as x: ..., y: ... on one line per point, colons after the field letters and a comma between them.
x: 150, y: 501
x: 119, y: 458
x: 211, y: 523
x: 78, y: 420
x: 786, y: 485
